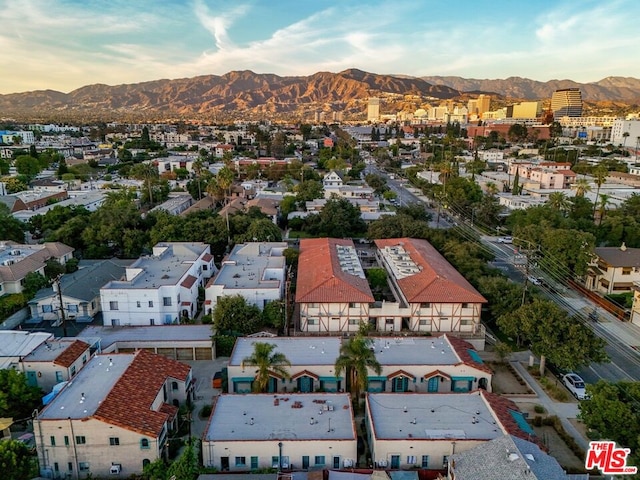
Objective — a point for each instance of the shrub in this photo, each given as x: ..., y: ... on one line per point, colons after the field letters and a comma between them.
x: 539, y: 409
x: 205, y: 411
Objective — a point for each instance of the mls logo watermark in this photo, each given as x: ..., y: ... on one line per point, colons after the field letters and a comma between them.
x: 608, y: 459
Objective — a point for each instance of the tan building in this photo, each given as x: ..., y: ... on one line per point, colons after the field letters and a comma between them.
x: 614, y: 269
x: 424, y: 430
x: 54, y: 361
x: 285, y: 431
x: 409, y: 364
x: 114, y: 418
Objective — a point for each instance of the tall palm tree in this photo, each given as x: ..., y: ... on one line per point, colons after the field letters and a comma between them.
x: 581, y: 186
x: 605, y: 201
x: 268, y: 362
x: 355, y: 359
x: 492, y: 188
x: 558, y: 201
x: 600, y: 176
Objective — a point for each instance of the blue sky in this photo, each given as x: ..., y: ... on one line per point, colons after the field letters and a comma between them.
x: 65, y: 44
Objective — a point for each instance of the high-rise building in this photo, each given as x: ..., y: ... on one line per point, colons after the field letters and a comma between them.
x: 373, y: 109
x: 566, y: 102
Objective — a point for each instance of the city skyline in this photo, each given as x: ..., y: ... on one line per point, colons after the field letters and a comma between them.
x: 65, y: 44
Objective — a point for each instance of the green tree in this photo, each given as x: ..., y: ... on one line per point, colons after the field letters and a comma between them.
x: 10, y: 227
x: 16, y: 461
x: 308, y: 190
x: 156, y: 470
x: 33, y: 281
x: 355, y: 360
x: 517, y: 133
x: 267, y: 360
x: 186, y: 466
x: 27, y: 165
x: 273, y: 314
x: 18, y: 399
x: 377, y: 277
x: 148, y: 173
x: 613, y: 412
x: 232, y: 313
x: 600, y: 174
x: 581, y: 187
x: 260, y: 230
x: 339, y: 218
x: 53, y: 268
x: 559, y: 201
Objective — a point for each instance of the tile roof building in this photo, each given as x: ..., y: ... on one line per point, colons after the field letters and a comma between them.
x: 54, y: 361
x: 287, y: 431
x: 158, y: 289
x: 424, y: 430
x: 614, y: 269
x: 114, y: 417
x: 17, y: 260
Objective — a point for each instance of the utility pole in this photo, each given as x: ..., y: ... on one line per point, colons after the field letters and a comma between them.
x: 528, y: 255
x: 56, y: 286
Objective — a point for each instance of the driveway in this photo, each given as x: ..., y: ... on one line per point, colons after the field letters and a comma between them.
x: 203, y: 371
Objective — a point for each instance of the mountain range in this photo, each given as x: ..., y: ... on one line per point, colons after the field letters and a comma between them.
x: 249, y: 93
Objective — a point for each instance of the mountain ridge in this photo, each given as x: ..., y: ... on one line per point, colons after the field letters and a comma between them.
x: 245, y: 91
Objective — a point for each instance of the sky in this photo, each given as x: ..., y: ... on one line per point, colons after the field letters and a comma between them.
x: 66, y: 44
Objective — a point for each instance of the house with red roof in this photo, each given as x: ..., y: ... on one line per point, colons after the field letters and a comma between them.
x: 332, y: 292
x: 158, y: 289
x: 432, y: 296
x: 115, y: 417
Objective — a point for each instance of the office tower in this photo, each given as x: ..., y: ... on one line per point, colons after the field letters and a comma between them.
x: 373, y: 109
x: 566, y: 102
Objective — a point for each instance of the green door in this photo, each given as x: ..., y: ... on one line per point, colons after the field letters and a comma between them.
x: 32, y: 379
x: 273, y: 385
x: 400, y: 384
x: 432, y: 386
x: 305, y: 384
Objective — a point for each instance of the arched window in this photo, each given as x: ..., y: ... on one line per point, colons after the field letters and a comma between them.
x: 144, y: 443
x: 174, y: 385
x: 145, y: 462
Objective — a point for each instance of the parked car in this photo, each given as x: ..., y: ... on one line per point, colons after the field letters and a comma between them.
x: 217, y: 379
x: 534, y: 280
x: 505, y: 239
x: 575, y: 385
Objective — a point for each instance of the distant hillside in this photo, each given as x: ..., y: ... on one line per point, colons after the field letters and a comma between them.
x: 607, y: 89
x: 242, y: 91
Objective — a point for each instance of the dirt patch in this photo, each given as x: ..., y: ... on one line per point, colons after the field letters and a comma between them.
x: 559, y: 450
x: 506, y: 380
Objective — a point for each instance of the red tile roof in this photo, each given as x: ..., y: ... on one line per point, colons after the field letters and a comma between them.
x: 189, y: 281
x: 400, y: 373
x: 462, y: 347
x: 438, y: 281
x: 437, y: 373
x: 71, y: 354
x: 501, y: 406
x: 320, y: 278
x: 207, y: 257
x: 304, y: 373
x: 128, y: 404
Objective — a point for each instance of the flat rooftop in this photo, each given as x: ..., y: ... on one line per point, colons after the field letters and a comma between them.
x: 18, y: 343
x: 256, y: 417
x: 299, y: 350
x: 253, y: 265
x: 82, y: 396
x: 414, y: 351
x: 179, y: 333
x: 432, y: 416
x: 167, y: 268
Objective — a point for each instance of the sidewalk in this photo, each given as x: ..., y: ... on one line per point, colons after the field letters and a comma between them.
x: 562, y: 410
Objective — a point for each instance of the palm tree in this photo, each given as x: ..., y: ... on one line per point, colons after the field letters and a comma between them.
x: 582, y: 186
x: 268, y: 362
x: 605, y: 201
x: 625, y: 135
x: 600, y: 176
x: 558, y: 201
x: 492, y: 188
x: 355, y: 359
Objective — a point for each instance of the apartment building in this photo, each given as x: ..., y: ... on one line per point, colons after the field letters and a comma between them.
x: 614, y: 269
x: 18, y: 260
x: 158, y: 289
x: 285, y: 431
x: 254, y: 270
x: 114, y: 418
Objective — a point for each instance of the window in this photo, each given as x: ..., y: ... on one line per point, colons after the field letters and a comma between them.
x: 152, y: 321
x: 113, y: 305
x: 465, y: 321
x: 425, y: 322
x: 445, y: 461
x: 174, y: 386
x: 73, y: 370
x: 81, y: 440
x: 83, y: 466
x: 411, y: 460
x: 70, y: 466
x: 275, y: 461
x: 72, y: 308
x: 47, y: 308
x: 56, y: 467
x: 58, y: 376
x: 66, y: 441
x: 425, y: 305
x: 166, y: 301
x: 138, y: 304
x: 150, y: 303
x: 144, y: 443
x: 84, y: 359
x: 352, y: 305
x: 254, y: 463
x: 205, y: 268
x: 52, y: 441
x: 388, y: 321
x: 319, y: 460
x: 626, y: 270
x: 114, y: 441
x: 312, y: 321
x: 425, y: 461
x: 145, y: 462
x: 241, y: 461
x: 313, y: 305
x: 353, y: 321
x: 465, y: 305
